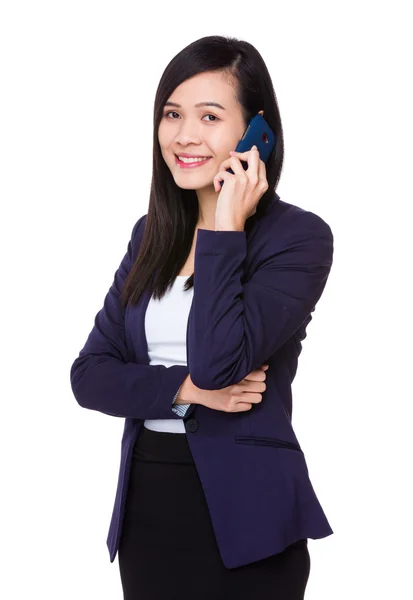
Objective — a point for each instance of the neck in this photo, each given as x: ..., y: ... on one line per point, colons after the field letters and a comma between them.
x: 207, y: 206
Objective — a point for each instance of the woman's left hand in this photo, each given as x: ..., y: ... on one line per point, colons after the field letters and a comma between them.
x: 243, y: 189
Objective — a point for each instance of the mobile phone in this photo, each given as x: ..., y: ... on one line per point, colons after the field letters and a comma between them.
x: 258, y: 132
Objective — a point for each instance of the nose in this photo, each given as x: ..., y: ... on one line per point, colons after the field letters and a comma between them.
x: 188, y: 133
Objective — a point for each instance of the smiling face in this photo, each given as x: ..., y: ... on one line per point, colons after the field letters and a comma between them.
x: 206, y: 131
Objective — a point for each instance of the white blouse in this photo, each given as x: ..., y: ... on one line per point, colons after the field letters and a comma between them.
x: 165, y: 329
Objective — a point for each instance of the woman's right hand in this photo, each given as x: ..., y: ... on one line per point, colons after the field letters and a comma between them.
x: 238, y: 397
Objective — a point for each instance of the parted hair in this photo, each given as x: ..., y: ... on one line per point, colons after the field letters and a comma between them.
x: 173, y: 212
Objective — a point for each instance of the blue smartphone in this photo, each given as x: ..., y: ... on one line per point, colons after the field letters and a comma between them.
x: 258, y: 132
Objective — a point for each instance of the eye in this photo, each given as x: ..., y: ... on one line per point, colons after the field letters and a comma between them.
x: 175, y: 113
x: 216, y: 118
x: 169, y: 112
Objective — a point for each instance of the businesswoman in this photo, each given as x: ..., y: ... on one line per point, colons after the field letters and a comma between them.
x: 197, y: 344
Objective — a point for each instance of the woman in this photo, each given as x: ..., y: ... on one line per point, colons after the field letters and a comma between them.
x: 197, y: 344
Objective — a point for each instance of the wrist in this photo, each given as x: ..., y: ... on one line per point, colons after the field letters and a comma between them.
x: 230, y: 226
x: 189, y: 393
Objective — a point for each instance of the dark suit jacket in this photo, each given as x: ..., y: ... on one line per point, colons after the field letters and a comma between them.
x: 253, y: 298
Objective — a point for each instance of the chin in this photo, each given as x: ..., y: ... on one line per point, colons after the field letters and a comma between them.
x: 193, y: 185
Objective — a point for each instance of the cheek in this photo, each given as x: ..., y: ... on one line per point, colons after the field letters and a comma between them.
x: 164, y: 150
x: 221, y: 152
x: 222, y: 156
x: 163, y: 144
x: 163, y: 138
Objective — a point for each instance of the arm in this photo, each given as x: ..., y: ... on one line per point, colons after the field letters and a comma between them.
x: 103, y: 379
x: 234, y: 327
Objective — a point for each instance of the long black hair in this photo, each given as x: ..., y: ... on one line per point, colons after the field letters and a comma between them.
x: 173, y: 212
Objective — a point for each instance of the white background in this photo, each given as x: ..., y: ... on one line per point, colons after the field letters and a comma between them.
x: 78, y: 81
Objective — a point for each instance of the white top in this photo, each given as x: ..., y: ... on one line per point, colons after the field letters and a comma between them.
x: 165, y: 329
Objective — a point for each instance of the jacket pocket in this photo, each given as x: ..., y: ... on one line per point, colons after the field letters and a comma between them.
x: 265, y: 441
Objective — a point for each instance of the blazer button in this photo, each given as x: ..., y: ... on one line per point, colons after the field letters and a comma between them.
x: 192, y: 425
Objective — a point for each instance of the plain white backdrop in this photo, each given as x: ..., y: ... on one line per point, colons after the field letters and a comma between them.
x: 78, y: 81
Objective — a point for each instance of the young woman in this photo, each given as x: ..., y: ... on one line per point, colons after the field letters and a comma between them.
x: 197, y: 345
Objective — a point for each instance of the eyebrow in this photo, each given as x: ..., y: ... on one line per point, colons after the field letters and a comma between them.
x: 196, y: 105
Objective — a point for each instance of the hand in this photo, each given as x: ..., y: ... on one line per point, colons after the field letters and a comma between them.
x: 243, y: 189
x: 238, y: 397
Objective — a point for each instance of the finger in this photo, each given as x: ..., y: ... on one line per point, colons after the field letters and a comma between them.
x: 234, y: 164
x: 262, y: 172
x: 256, y: 166
x: 221, y: 176
x: 246, y: 153
x: 253, y: 162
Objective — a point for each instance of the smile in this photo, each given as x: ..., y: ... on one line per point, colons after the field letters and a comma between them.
x: 191, y: 163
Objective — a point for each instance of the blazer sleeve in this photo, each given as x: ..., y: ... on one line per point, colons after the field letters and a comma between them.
x: 104, y: 379
x: 235, y: 327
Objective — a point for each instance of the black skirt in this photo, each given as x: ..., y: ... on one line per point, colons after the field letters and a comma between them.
x: 168, y: 548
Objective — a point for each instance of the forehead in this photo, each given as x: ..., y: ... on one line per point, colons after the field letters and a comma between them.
x: 205, y: 87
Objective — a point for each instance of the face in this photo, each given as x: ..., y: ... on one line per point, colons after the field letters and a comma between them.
x: 203, y: 131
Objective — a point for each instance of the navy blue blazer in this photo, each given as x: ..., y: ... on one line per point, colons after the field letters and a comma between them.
x: 253, y: 298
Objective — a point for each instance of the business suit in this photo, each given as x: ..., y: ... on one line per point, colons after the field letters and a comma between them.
x: 248, y: 308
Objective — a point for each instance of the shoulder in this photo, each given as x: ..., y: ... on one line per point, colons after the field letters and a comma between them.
x: 286, y: 221
x: 136, y: 236
x: 288, y: 235
x: 138, y: 228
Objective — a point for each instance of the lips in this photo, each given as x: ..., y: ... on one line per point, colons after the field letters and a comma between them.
x: 192, y: 155
x: 191, y: 165
x: 183, y: 156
